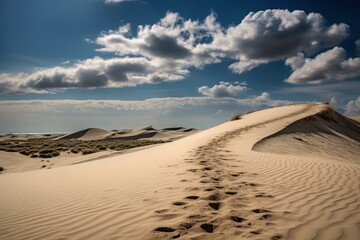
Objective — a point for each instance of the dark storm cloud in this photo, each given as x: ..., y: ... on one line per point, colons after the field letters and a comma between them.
x: 165, y: 47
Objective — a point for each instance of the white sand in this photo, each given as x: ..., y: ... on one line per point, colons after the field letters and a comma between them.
x: 260, y: 193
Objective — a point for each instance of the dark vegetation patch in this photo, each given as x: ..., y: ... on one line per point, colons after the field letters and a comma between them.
x: 49, y: 148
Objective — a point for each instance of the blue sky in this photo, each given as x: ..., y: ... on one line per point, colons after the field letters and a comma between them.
x: 71, y: 64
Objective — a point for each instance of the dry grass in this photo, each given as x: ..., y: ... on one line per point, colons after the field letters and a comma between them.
x: 236, y: 117
x: 49, y: 148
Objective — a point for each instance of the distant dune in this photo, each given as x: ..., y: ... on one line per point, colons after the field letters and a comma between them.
x: 88, y: 134
x: 166, y: 134
x: 290, y: 172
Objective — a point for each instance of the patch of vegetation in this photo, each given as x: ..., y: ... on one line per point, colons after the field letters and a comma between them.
x: 235, y: 117
x: 49, y: 148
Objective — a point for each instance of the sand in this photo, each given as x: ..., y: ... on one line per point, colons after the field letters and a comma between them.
x: 16, y: 162
x: 244, y: 179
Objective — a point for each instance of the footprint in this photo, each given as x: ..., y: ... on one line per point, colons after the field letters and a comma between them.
x: 231, y: 193
x: 207, y: 227
x: 214, y: 197
x: 179, y: 203
x: 263, y: 195
x: 265, y: 216
x: 162, y: 211
x: 186, y: 225
x: 192, y: 197
x: 276, y: 237
x: 237, y: 219
x: 215, y: 205
x: 164, y: 229
x: 209, y: 189
x: 204, y: 181
x: 207, y: 168
x: 260, y: 211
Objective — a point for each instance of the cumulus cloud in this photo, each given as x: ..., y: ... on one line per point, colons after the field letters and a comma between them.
x: 353, y: 107
x: 223, y: 89
x: 164, y: 51
x: 261, y: 37
x: 296, y: 62
x: 92, y: 73
x: 327, y: 66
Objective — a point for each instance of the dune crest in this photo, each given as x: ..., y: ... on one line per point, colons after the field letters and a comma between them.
x: 88, y: 134
x: 326, y: 133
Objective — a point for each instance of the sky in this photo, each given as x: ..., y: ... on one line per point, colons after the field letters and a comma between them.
x: 115, y: 64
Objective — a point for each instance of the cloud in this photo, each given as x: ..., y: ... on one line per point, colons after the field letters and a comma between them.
x: 296, y: 62
x: 325, y: 67
x: 261, y: 37
x: 93, y: 73
x: 353, y: 107
x: 223, y: 89
x: 68, y: 106
x: 166, y: 50
x: 74, y: 115
x: 357, y: 45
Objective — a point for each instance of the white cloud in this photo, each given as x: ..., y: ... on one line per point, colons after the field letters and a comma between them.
x: 166, y: 50
x: 92, y: 73
x: 327, y: 66
x: 295, y: 62
x: 65, y: 106
x: 74, y: 115
x: 223, y: 89
x: 261, y: 37
x: 353, y: 107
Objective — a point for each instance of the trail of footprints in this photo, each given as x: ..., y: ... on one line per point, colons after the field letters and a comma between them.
x: 219, y: 207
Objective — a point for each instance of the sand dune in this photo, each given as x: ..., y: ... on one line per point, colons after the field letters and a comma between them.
x: 88, y: 134
x: 234, y: 181
x: 166, y: 134
x: 326, y: 134
x: 148, y: 132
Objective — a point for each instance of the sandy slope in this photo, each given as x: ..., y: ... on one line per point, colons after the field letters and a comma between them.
x: 16, y: 162
x: 211, y: 185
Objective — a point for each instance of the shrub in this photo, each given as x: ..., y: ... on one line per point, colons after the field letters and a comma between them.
x: 45, y: 151
x: 75, y: 150
x: 88, y: 151
x: 2, y: 169
x: 55, y: 154
x: 236, y: 117
x: 25, y: 152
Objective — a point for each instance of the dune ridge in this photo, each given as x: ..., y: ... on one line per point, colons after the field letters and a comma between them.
x: 215, y: 184
x: 88, y: 134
